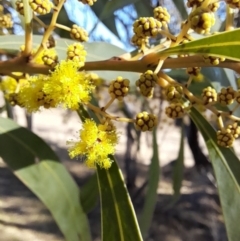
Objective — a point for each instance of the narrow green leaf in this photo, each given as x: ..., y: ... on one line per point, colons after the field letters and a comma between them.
x: 180, y: 5
x: 38, y: 167
x: 227, y: 171
x: 151, y: 194
x: 119, y: 221
x: 226, y: 44
x: 89, y: 194
x: 178, y: 169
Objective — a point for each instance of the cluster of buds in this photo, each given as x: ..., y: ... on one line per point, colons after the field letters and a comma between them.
x: 50, y: 58
x: 201, y: 21
x: 19, y: 7
x: 139, y: 41
x: 226, y: 136
x: 209, y: 96
x: 119, y: 88
x: 175, y: 110
x: 193, y: 71
x: 41, y: 6
x: 145, y: 121
x: 146, y: 27
x: 6, y: 21
x: 162, y: 15
x: 77, y: 53
x: 146, y: 83
x: 226, y: 96
x: 78, y: 33
x: 174, y: 93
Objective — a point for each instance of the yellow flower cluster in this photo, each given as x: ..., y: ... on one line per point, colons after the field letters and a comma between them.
x: 64, y: 86
x: 96, y: 144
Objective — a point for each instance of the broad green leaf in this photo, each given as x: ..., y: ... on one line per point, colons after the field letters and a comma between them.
x: 89, y: 194
x: 226, y: 44
x: 119, y: 221
x: 95, y: 51
x: 38, y: 167
x: 227, y: 172
x: 180, y: 5
x: 178, y: 169
x: 151, y: 194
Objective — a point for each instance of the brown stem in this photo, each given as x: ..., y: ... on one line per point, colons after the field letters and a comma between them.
x: 20, y: 64
x: 50, y: 28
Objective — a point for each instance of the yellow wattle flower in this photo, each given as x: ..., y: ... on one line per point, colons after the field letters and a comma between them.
x: 95, y: 144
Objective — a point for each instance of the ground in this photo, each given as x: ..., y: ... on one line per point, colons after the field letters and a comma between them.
x: 195, y: 216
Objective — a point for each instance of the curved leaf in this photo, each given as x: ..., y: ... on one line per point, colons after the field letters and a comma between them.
x: 227, y: 171
x: 37, y: 166
x: 226, y: 44
x: 151, y: 194
x: 119, y: 221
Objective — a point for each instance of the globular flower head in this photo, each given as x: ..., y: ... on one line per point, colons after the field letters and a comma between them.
x: 209, y: 95
x: 41, y: 6
x: 6, y: 21
x: 78, y: 33
x: 67, y: 86
x: 31, y: 95
x: 147, y: 27
x: 162, y: 15
x: 140, y: 42
x: 201, y: 21
x: 146, y: 83
x: 10, y: 88
x: 225, y: 137
x: 235, y: 129
x: 19, y: 7
x: 119, y: 88
x: 145, y: 121
x: 8, y: 85
x: 96, y: 144
x: 226, y: 96
x: 49, y: 57
x: 77, y: 53
x: 174, y: 93
x: 175, y: 110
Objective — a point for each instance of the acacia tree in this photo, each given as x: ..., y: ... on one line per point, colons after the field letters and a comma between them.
x: 53, y: 75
